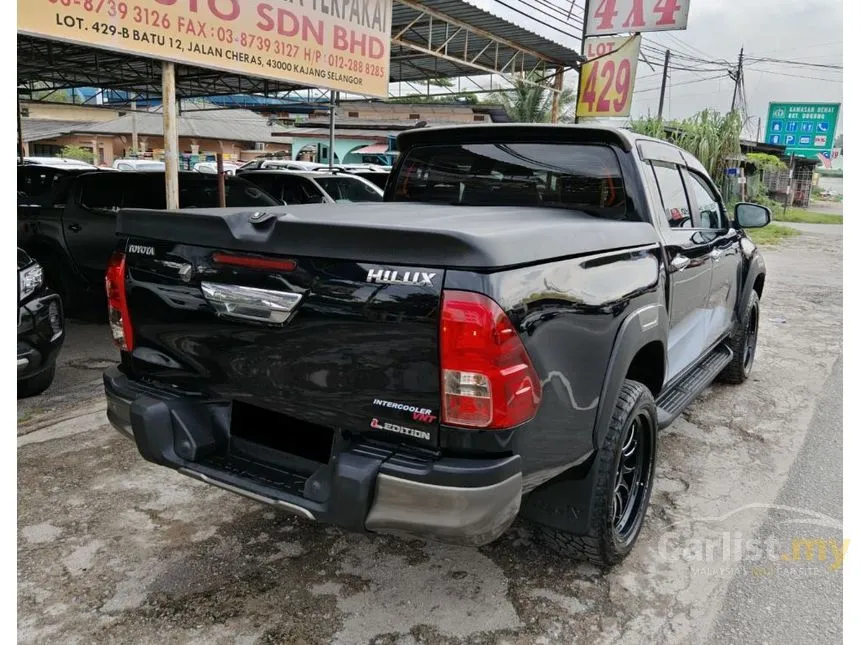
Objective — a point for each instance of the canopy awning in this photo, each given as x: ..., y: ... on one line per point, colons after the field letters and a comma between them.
x: 373, y: 149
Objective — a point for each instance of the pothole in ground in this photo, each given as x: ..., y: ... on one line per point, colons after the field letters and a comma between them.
x: 92, y: 363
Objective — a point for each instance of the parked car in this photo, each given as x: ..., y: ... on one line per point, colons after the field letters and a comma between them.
x: 40, y: 186
x: 282, y: 164
x: 211, y: 167
x: 378, y: 178
x: 72, y: 234
x: 40, y: 328
x: 141, y: 165
x: 503, y: 335
x: 57, y: 162
x: 314, y: 187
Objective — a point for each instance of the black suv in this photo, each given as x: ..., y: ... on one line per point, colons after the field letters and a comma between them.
x: 40, y: 328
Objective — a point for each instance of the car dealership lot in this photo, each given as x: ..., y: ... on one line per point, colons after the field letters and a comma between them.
x: 113, y: 549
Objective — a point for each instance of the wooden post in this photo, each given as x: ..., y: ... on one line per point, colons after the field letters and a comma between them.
x: 222, y: 191
x: 558, y: 86
x: 333, y: 105
x: 171, y: 137
x: 134, y: 142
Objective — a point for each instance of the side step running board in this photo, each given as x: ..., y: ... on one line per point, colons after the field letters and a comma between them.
x: 673, y: 401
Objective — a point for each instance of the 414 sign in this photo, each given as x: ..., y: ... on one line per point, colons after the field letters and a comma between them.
x: 635, y: 16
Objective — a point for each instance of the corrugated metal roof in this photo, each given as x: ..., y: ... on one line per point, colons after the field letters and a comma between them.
x: 41, y: 129
x: 407, y: 64
x: 230, y: 125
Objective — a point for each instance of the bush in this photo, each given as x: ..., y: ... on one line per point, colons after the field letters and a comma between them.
x: 78, y: 153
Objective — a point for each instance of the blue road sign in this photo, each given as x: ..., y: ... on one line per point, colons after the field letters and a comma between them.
x: 790, y: 139
x: 822, y: 127
x: 791, y: 126
x: 807, y: 126
x: 776, y: 139
x: 776, y: 126
x: 805, y: 141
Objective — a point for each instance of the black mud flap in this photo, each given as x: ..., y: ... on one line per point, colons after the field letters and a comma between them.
x: 564, y: 502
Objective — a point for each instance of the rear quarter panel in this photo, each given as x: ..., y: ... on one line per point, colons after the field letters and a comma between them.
x: 568, y: 314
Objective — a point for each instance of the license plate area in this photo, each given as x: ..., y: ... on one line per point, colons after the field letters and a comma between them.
x: 268, y: 438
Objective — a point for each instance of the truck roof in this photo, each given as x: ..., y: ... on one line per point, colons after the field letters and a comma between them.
x: 550, y: 133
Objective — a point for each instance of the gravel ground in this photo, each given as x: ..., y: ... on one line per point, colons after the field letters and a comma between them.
x: 114, y: 550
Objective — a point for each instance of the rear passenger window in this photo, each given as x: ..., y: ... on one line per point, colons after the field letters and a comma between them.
x: 102, y: 193
x: 676, y: 207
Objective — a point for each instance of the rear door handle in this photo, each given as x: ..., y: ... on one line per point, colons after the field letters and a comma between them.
x: 74, y: 228
x: 680, y: 262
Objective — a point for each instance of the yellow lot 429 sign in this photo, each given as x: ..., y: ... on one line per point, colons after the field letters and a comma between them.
x: 342, y: 45
x: 606, y: 80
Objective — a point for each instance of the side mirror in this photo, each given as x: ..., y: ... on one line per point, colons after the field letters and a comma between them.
x: 751, y: 215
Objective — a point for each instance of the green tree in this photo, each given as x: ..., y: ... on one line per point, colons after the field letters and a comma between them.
x: 78, y: 153
x: 526, y: 102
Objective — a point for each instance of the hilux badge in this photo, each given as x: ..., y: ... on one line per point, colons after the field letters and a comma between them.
x: 383, y: 276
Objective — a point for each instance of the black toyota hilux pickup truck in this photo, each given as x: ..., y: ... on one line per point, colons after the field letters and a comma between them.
x: 503, y: 335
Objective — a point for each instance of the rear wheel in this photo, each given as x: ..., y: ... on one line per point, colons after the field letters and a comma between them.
x: 743, y: 343
x: 623, y: 477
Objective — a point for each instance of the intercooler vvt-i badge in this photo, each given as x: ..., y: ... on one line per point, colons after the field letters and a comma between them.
x: 376, y: 424
x: 386, y: 276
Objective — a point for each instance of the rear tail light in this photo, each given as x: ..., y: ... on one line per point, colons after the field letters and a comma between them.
x: 488, y: 380
x: 120, y: 322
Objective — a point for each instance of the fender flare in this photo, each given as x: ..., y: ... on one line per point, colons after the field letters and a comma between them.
x: 645, y: 325
x: 753, y: 270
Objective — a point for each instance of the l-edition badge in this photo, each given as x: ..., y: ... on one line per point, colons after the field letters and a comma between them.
x: 383, y: 276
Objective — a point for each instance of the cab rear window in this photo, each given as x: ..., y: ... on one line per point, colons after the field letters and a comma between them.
x: 574, y: 176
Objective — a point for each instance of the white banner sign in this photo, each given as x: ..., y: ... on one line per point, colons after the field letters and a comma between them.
x: 607, y: 17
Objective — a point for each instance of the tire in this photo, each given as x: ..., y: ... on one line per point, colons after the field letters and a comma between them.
x: 742, y: 342
x: 611, y: 534
x: 33, y: 385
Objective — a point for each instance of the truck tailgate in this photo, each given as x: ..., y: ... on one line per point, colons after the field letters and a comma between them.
x: 347, y: 345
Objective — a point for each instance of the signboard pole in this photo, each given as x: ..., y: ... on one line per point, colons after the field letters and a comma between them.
x: 582, y: 51
x: 788, y: 190
x: 171, y: 138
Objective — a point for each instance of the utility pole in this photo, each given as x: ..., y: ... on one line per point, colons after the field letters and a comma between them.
x: 739, y: 79
x: 663, y: 85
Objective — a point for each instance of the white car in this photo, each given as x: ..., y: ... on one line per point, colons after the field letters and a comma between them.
x: 146, y: 165
x: 314, y: 187
x: 283, y: 164
x: 211, y: 167
x: 57, y: 162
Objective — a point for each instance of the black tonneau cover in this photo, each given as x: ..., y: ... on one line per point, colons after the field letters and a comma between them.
x: 395, y: 232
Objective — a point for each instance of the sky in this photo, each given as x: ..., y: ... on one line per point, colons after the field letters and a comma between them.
x: 808, y: 30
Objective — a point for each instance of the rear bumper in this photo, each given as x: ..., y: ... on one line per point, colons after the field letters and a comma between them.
x: 364, y: 487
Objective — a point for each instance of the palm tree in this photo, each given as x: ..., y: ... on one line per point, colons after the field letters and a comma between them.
x: 526, y: 102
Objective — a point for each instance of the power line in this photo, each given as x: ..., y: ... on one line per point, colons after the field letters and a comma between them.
x: 694, y: 81
x: 811, y: 78
x: 799, y: 63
